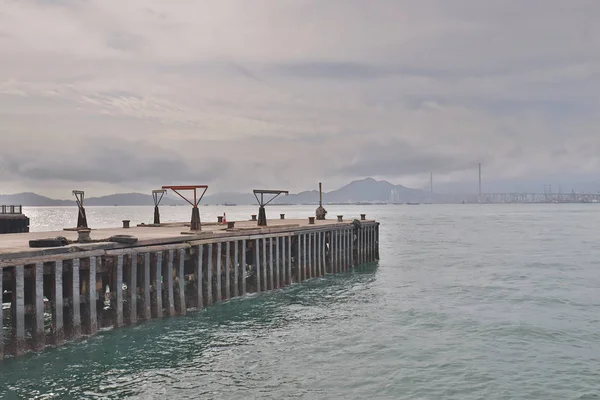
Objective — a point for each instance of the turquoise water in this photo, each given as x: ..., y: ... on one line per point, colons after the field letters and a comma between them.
x: 467, y: 302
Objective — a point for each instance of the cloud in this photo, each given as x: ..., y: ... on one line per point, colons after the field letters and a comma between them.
x: 132, y: 95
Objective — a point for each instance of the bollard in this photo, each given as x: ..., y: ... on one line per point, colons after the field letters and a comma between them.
x: 340, y: 218
x: 83, y: 235
x: 125, y: 223
x: 220, y: 219
x: 311, y: 220
x: 282, y: 216
x: 253, y: 217
x: 363, y: 217
x: 230, y: 224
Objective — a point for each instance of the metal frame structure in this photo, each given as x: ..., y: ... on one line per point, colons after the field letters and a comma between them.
x: 81, y: 217
x: 320, y: 212
x: 195, y: 222
x: 157, y: 199
x: 262, y: 215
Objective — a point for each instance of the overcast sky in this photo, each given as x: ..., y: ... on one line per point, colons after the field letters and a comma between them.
x: 118, y: 96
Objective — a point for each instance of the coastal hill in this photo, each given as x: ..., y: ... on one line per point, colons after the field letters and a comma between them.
x: 359, y: 191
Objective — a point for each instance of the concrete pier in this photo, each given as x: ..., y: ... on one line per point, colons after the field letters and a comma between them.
x: 80, y: 288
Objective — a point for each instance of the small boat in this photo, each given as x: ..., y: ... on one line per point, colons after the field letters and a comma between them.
x: 412, y: 204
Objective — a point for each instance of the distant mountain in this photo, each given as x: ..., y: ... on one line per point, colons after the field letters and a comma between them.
x: 122, y: 199
x: 32, y: 200
x: 365, y: 190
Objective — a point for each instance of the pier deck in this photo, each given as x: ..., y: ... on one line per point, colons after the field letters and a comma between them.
x: 17, y: 244
x: 51, y: 295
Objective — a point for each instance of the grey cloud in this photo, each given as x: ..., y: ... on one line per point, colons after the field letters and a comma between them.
x: 113, y: 95
x: 396, y: 158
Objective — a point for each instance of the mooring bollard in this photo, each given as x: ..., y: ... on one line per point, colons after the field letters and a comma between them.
x: 311, y: 220
x: 340, y: 218
x: 220, y: 219
x: 230, y: 224
x: 253, y: 217
x: 125, y: 223
x: 282, y: 216
x: 83, y: 235
x: 363, y: 217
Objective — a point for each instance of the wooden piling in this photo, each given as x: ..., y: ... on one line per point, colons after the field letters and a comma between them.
x: 199, y: 276
x: 298, y: 260
x: 236, y: 268
x: 1, y: 314
x: 289, y: 260
x: 39, y: 336
x: 309, y: 256
x: 227, y: 268
x: 277, y: 263
x: 147, y: 283
x: 132, y: 286
x: 19, y: 310
x: 92, y: 316
x: 158, y: 283
x: 57, y: 295
x: 264, y: 264
x: 119, y: 291
x: 243, y: 271
x: 181, y: 282
x: 304, y: 257
x: 257, y: 263
x: 209, y: 292
x: 271, y: 266
x: 76, y: 299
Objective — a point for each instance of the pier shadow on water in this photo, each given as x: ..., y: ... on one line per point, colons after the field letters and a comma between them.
x: 148, y: 359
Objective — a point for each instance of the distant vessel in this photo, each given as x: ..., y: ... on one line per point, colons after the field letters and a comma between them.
x: 412, y: 204
x: 229, y: 204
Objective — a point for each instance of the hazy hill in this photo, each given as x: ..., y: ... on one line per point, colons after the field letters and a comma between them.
x: 122, y: 199
x: 31, y: 200
x: 365, y: 190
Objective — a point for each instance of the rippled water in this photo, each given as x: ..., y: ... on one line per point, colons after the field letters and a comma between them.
x: 467, y: 302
